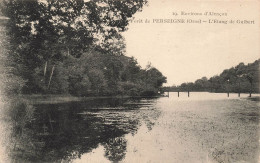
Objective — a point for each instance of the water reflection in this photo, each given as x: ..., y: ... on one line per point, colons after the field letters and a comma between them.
x: 136, y: 130
x: 66, y: 131
x: 115, y: 149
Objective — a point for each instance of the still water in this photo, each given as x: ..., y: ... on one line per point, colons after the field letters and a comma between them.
x: 205, y: 127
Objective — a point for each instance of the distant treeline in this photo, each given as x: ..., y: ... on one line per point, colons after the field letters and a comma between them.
x: 71, y: 47
x: 241, y: 78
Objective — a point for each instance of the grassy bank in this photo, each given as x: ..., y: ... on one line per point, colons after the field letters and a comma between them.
x: 55, y: 99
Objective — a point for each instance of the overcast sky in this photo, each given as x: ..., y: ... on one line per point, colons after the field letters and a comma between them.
x: 186, y: 52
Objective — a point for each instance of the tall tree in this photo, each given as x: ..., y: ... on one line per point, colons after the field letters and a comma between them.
x: 45, y: 32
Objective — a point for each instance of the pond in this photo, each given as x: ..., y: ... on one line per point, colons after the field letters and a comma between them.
x: 205, y: 127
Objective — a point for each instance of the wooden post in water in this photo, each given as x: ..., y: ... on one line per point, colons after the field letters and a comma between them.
x: 168, y: 94
x: 239, y: 89
x: 178, y: 94
x: 188, y: 93
x: 227, y: 88
x: 251, y: 87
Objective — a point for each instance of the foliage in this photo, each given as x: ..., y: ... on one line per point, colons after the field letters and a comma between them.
x: 242, y: 78
x: 75, y: 47
x: 11, y: 82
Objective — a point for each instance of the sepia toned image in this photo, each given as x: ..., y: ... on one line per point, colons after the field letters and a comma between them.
x: 131, y: 81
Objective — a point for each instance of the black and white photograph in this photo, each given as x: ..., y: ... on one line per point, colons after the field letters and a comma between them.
x: 129, y: 81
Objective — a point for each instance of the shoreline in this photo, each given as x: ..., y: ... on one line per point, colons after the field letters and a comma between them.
x: 36, y: 99
x: 57, y: 99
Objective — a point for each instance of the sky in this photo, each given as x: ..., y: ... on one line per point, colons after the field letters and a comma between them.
x: 184, y: 52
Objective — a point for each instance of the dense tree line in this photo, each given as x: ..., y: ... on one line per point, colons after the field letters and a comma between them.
x: 74, y: 47
x: 241, y: 78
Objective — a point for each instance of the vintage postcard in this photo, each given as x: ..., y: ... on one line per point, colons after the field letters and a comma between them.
x: 131, y: 81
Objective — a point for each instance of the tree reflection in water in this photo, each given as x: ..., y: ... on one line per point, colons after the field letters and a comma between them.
x: 115, y: 149
x: 56, y: 132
